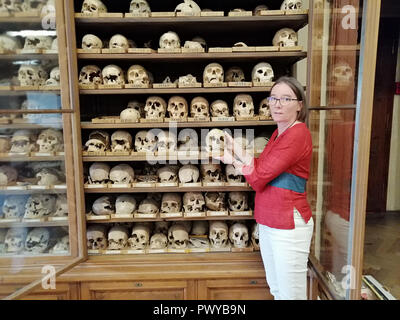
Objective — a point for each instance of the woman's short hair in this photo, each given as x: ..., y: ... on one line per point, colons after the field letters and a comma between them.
x: 298, y: 90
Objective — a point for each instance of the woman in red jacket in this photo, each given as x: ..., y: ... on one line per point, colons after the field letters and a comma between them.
x: 279, y: 177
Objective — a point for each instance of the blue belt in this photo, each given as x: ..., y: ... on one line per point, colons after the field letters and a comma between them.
x: 290, y: 181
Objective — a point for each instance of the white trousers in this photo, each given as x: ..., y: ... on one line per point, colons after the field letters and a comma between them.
x: 285, y: 257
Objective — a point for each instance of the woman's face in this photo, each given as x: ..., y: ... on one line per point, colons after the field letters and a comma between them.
x: 287, y: 113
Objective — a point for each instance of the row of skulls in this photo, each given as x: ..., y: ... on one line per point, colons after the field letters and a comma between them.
x: 172, y: 202
x: 33, y: 241
x: 187, y: 7
x: 137, y: 75
x: 35, y: 206
x: 12, y: 6
x: 175, y: 235
x: 12, y: 44
x: 157, y: 140
x: 36, y: 75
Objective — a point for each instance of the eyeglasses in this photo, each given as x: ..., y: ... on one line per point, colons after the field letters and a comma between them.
x: 284, y: 101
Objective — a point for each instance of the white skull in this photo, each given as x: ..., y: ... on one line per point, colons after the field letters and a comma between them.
x: 243, y: 106
x: 193, y: 202
x: 233, y: 175
x: 218, y: 234
x: 61, y: 206
x: 187, y: 80
x: 234, y: 74
x: 187, y: 225
x: 99, y: 141
x: 259, y: 143
x: 90, y: 74
x: 158, y: 241
x: 31, y: 75
x: 113, y: 74
x: 50, y: 140
x: 192, y: 45
x: 121, y: 141
x: 188, y: 7
x: 215, y: 201
x: 211, y: 172
x: 122, y: 173
x: 96, y: 237
x: 125, y: 204
x: 54, y: 44
x: 177, y: 107
x: 264, y: 109
x: 199, y: 228
x: 99, y: 173
x: 140, y: 236
x: 188, y: 173
x: 168, y: 173
x: 54, y: 79
x: 145, y: 141
x: 255, y: 239
x: 93, y: 6
x: 117, y: 237
x: 39, y: 206
x: 37, y: 240
x: 11, y: 6
x: 130, y: 115
x: 215, y: 140
x: 5, y: 144
x: 23, y: 141
x: 262, y: 72
x: 138, y: 75
x: 155, y: 108
x: 8, y: 175
x: 48, y: 177
x: 38, y: 42
x: 291, y: 5
x: 258, y: 9
x: 213, y: 73
x: 9, y: 44
x: 199, y: 107
x: 170, y: 40
x: 219, y: 108
x: 167, y: 141
x: 14, y: 207
x: 171, y: 203
x: 201, y: 41
x: 188, y: 140
x: 237, y: 201
x: 15, y: 239
x: 285, y: 37
x: 149, y: 206
x: 139, y: 6
x: 103, y: 206
x: 178, y: 237
x: 118, y: 41
x: 342, y: 74
x: 62, y: 245
x: 91, y: 41
x: 239, y: 235
x: 161, y: 227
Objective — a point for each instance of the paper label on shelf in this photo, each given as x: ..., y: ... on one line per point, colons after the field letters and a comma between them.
x: 212, y: 13
x: 240, y: 84
x: 253, y: 118
x: 199, y: 119
x: 213, y: 184
x: 4, y: 221
x: 111, y: 86
x: 118, y: 153
x: 137, y: 15
x: 167, y: 184
x: 157, y: 250
x: 93, y: 251
x: 145, y: 215
x: 296, y: 11
x: 164, y: 85
x: 132, y: 251
x: 111, y: 15
x: 86, y: 15
x: 27, y: 14
x: 193, y: 50
x: 194, y: 214
x: 57, y: 218
x: 36, y: 187
x: 183, y: 14
x: 217, y: 213
x: 112, y: 251
x: 171, y: 214
x: 141, y: 50
x: 236, y: 184
x: 42, y: 154
x: 222, y: 249
x: 30, y: 51
x: 113, y: 50
x: 87, y: 86
x: 144, y: 185
x: 263, y: 118
x: 247, y: 249
x: 215, y: 85
x: 162, y: 50
x: 33, y: 220
x: 6, y: 88
x: 15, y: 187
x: 263, y: 84
x: 240, y: 14
x: 162, y: 14
x: 222, y: 118
x: 194, y: 250
x: 91, y: 51
x: 190, y: 185
x: 220, y: 50
x: 241, y: 213
x: 243, y: 49
x: 60, y: 186
x: 120, y: 185
x: 26, y: 88
x: 137, y: 86
x: 172, y: 250
x: 93, y: 154
x: 272, y: 12
x: 95, y: 186
x: 159, y: 120
x: 50, y: 88
x: 49, y: 51
x: 122, y: 216
x: 99, y: 217
x: 267, y: 48
x: 190, y: 85
x: 294, y: 48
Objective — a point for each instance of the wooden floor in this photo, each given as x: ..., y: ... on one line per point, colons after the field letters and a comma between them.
x: 382, y: 250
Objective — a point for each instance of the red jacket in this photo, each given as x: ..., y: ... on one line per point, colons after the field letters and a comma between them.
x: 288, y: 155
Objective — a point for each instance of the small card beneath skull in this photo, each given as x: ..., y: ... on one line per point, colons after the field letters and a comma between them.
x: 92, y: 217
x: 152, y: 120
x: 141, y: 50
x: 111, y: 15
x: 253, y: 118
x: 137, y: 15
x: 215, y: 85
x: 175, y: 50
x: 171, y: 214
x: 190, y: 85
x: 166, y: 184
x: 37, y: 187
x: 219, y: 50
x: 193, y: 50
x: 272, y: 12
x: 157, y: 250
x: 183, y: 14
x: 50, y: 88
x: 57, y: 218
x: 172, y: 250
x: 194, y: 214
x: 120, y: 185
x: 175, y: 120
x: 241, y: 213
x: 112, y: 252
x: 293, y: 48
x: 240, y: 84
x: 212, y: 13
x: 243, y: 49
x: 145, y: 215
x: 236, y: 184
x: 6, y: 88
x: 105, y: 119
x: 34, y: 220
x: 296, y: 11
x: 240, y: 14
x: 33, y: 14
x: 137, y: 86
x: 26, y: 88
x: 213, y: 184
x: 164, y: 85
x: 267, y: 49
x: 87, y: 86
x: 95, y: 186
x: 111, y: 86
x: 262, y: 84
x: 5, y: 14
x: 199, y: 119
x: 87, y: 15
x: 118, y: 153
x: 264, y: 118
x: 93, y: 154
x: 49, y: 51
x: 16, y: 188
x: 42, y: 154
x: 227, y: 248
x: 29, y: 51
x: 247, y: 249
x: 92, y: 251
x: 122, y: 216
x: 143, y: 185
x: 162, y: 14
x: 6, y: 221
x: 222, y: 118
x: 217, y: 213
x: 134, y: 251
x: 190, y: 185
x: 116, y: 50
x: 92, y: 51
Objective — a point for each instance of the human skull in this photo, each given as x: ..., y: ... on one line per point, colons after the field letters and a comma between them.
x: 122, y: 173
x: 8, y: 175
x: 139, y: 6
x: 170, y: 40
x: 243, y: 106
x: 237, y: 201
x: 192, y: 45
x: 48, y: 177
x: 211, y: 172
x: 199, y: 108
x: 39, y: 206
x: 38, y: 42
x: 167, y: 141
x: 23, y: 141
x: 291, y: 4
x: 15, y: 239
x: 8, y: 44
x: 202, y: 42
x: 342, y: 74
x: 168, y: 173
x: 155, y: 108
x: 96, y: 237
x: 239, y: 235
x: 262, y: 72
x: 149, y: 206
x: 118, y: 41
x: 259, y: 143
x: 113, y: 74
x: 233, y: 175
x: 50, y: 140
x: 193, y: 202
x: 264, y: 109
x: 130, y: 115
x: 234, y: 74
x: 103, y: 206
x: 62, y: 245
x: 219, y: 108
x: 178, y: 237
x: 161, y: 227
x: 145, y: 141
x: 213, y: 73
x: 99, y: 141
x: 171, y: 203
x: 121, y: 141
x: 177, y: 107
x: 285, y: 37
x: 215, y: 140
x: 188, y: 7
x: 14, y: 207
x: 158, y: 241
x: 188, y: 173
x: 93, y: 7
x: 90, y: 75
x: 138, y: 75
x: 199, y: 228
x: 218, y: 234
x: 11, y: 6
x: 140, y: 236
x: 61, y: 206
x: 187, y: 80
x: 5, y: 144
x: 91, y: 41
x: 215, y: 201
x: 117, y: 237
x: 37, y: 240
x: 258, y: 9
x: 188, y: 140
x: 99, y: 173
x: 125, y: 204
x: 31, y: 75
x: 54, y: 79
x: 255, y: 239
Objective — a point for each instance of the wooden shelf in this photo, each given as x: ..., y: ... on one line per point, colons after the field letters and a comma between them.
x: 28, y: 224
x: 167, y: 189
x: 30, y: 191
x: 16, y: 158
x: 31, y: 126
x: 38, y: 56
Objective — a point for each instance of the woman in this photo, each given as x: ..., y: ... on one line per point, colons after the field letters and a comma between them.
x: 279, y: 178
